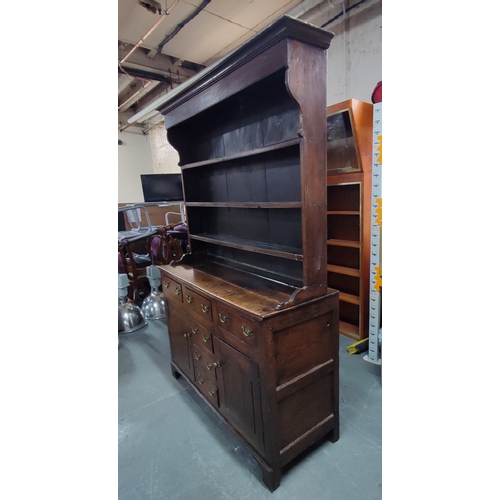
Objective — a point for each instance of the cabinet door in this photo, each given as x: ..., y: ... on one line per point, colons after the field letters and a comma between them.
x: 180, y: 343
x: 239, y: 392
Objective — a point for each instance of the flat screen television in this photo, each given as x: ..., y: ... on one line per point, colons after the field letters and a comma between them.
x: 161, y: 187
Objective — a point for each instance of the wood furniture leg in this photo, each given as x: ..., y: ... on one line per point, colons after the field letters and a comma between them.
x: 271, y: 478
x: 175, y: 373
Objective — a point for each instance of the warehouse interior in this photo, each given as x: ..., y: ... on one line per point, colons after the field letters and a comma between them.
x: 405, y: 426
x: 156, y: 61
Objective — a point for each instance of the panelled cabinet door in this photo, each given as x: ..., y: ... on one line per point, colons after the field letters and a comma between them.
x: 180, y: 344
x: 239, y: 392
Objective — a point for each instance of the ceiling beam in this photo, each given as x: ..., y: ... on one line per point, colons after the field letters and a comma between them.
x: 140, y: 92
x: 160, y: 63
x: 147, y: 99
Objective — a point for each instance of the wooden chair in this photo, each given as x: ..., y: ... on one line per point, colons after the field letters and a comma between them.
x: 169, y: 249
x: 136, y: 256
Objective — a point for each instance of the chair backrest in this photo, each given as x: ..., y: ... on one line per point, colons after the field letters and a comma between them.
x: 169, y: 249
x: 134, y: 217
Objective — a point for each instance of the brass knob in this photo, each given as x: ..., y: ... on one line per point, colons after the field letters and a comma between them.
x: 194, y: 330
x: 197, y: 356
x: 189, y: 299
x: 205, y: 338
x: 177, y: 291
x: 246, y: 331
x: 217, y: 364
x: 223, y: 318
x: 166, y: 284
x: 187, y: 335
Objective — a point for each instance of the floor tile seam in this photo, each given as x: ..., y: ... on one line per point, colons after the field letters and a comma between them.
x: 362, y: 433
x: 153, y: 403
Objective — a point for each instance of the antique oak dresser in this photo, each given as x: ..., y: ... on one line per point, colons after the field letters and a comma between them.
x: 252, y: 325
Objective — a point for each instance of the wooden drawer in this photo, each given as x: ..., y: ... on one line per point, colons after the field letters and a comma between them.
x: 201, y: 337
x: 171, y: 289
x: 207, y: 387
x: 197, y: 304
x: 204, y: 364
x: 238, y: 326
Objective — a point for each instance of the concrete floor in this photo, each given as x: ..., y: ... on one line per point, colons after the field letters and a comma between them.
x: 171, y: 446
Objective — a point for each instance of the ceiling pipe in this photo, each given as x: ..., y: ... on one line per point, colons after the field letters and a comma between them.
x: 148, y: 82
x: 162, y: 17
x: 145, y: 75
x: 343, y: 12
x: 303, y: 8
x: 137, y: 95
x: 181, y: 25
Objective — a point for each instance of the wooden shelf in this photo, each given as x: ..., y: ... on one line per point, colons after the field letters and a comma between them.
x: 349, y: 271
x: 243, y: 154
x: 349, y: 181
x: 343, y: 212
x: 248, y: 204
x: 348, y: 329
x: 344, y: 243
x: 251, y: 246
x: 347, y: 297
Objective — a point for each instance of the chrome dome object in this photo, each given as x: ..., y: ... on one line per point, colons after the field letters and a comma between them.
x: 130, y: 316
x: 154, y: 306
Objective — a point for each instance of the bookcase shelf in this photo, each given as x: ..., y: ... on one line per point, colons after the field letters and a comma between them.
x: 349, y: 137
x: 244, y: 154
x: 343, y: 212
x: 246, y: 204
x: 251, y: 245
x: 344, y: 243
x: 343, y: 270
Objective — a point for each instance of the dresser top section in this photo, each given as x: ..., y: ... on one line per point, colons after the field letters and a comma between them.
x: 284, y: 28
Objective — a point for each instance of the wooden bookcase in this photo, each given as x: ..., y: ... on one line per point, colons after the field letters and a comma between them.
x: 253, y: 326
x: 349, y: 185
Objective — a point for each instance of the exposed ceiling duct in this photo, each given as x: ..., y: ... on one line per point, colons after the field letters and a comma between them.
x: 161, y: 50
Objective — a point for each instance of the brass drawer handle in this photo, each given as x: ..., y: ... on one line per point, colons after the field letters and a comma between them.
x: 177, y: 291
x: 208, y: 365
x: 212, y: 393
x: 205, y: 338
x: 166, y: 284
x: 200, y: 380
x: 194, y: 330
x: 223, y: 318
x: 187, y: 335
x: 204, y: 308
x: 217, y: 364
x: 189, y: 299
x: 197, y: 356
x: 246, y: 331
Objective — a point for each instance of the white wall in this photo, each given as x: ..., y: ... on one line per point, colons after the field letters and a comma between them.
x: 134, y: 159
x: 164, y: 157
x: 355, y: 69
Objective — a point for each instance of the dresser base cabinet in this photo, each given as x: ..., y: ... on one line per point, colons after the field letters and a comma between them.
x: 270, y: 375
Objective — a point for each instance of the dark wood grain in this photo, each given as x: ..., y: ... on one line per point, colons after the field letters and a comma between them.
x: 302, y: 81
x: 255, y: 328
